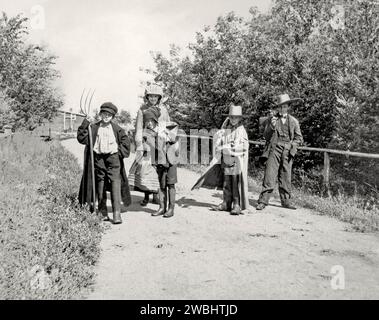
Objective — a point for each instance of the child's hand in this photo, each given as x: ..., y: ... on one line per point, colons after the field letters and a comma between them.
x: 90, y: 118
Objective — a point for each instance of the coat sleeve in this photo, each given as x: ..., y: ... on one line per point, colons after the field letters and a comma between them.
x: 298, y: 137
x: 139, y: 130
x: 124, y: 144
x: 268, y: 131
x: 82, y: 134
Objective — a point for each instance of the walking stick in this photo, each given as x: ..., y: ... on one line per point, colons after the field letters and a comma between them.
x: 86, y: 112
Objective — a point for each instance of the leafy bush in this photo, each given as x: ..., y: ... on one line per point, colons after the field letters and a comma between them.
x: 27, y: 77
x: 48, y: 244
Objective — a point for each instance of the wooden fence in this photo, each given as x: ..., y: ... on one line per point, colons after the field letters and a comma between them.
x: 326, y: 170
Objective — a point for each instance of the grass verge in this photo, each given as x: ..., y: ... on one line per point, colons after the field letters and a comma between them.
x: 48, y: 244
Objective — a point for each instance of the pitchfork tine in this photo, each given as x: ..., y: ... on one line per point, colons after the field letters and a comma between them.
x: 90, y: 101
x: 85, y: 103
x: 81, y: 98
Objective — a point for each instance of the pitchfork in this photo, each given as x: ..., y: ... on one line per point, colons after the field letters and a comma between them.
x: 86, y: 109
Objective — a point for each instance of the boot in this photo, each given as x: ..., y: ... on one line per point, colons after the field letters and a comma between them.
x: 171, y: 194
x: 261, y: 206
x: 155, y: 198
x: 162, y: 203
x: 236, y: 208
x: 236, y: 197
x: 102, y: 201
x: 116, y: 202
x: 145, y: 201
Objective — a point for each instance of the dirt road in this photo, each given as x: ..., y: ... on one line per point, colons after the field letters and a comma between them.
x: 200, y: 254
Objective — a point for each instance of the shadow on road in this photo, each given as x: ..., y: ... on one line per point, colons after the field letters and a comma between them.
x: 188, y: 203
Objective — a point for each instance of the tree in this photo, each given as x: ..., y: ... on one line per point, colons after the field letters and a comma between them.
x: 27, y: 77
x: 326, y: 52
x: 123, y: 117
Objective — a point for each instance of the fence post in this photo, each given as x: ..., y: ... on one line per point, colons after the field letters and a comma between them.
x: 204, y: 146
x: 183, y: 147
x: 194, y: 146
x: 327, y: 172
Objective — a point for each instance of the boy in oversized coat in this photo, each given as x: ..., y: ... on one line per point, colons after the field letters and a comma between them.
x: 110, y: 146
x: 228, y: 168
x: 164, y: 145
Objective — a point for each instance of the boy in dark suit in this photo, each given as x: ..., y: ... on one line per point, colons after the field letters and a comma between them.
x: 283, y: 136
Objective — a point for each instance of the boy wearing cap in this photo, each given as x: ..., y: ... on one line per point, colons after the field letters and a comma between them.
x: 283, y: 136
x: 110, y: 146
x: 228, y: 169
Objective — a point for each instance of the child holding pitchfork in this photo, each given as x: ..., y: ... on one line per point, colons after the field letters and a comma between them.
x: 110, y: 145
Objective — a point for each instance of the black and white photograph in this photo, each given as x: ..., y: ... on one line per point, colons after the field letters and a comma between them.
x: 198, y: 152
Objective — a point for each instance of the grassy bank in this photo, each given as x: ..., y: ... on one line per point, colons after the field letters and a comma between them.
x: 48, y: 244
x: 351, y: 209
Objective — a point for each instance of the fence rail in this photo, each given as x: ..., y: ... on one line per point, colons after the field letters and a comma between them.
x: 327, y: 152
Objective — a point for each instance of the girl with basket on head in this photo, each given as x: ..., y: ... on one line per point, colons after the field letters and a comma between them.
x: 142, y: 175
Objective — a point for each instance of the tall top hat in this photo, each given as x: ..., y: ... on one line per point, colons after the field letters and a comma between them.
x: 285, y: 98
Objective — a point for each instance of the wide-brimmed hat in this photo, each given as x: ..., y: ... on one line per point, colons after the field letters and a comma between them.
x: 285, y: 98
x: 235, y: 111
x: 154, y: 89
x: 109, y: 107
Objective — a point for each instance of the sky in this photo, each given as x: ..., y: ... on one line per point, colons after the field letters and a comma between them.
x: 102, y: 44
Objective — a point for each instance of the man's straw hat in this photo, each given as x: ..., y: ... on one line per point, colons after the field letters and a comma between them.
x: 285, y: 98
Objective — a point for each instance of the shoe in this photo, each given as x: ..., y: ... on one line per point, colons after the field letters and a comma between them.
x: 261, y: 206
x: 162, y: 204
x: 221, y: 207
x: 286, y: 204
x: 144, y: 203
x: 236, y: 210
x: 171, y: 206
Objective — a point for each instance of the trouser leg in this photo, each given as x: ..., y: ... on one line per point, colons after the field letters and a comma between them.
x: 113, y: 172
x: 227, y: 192
x: 271, y: 175
x: 101, y: 175
x: 235, y: 190
x: 285, y: 178
x: 102, y: 199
